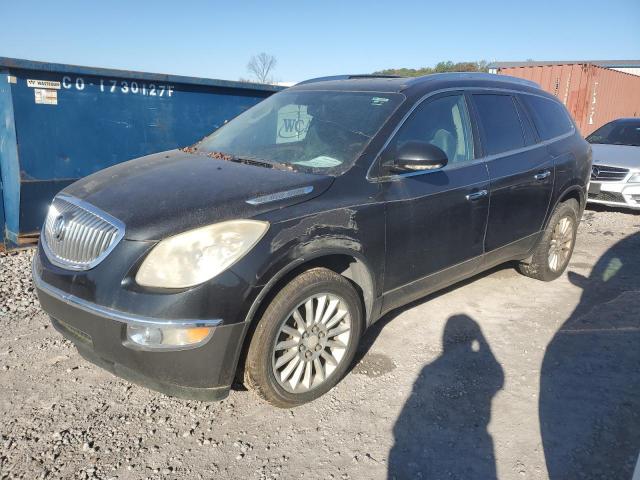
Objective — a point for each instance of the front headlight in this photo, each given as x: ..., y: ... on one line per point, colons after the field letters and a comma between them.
x: 193, y: 257
x: 635, y: 178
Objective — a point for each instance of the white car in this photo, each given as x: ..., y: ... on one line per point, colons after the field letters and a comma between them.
x: 615, y: 174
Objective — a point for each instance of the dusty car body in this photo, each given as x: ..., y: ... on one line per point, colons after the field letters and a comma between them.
x: 615, y: 176
x: 336, y: 240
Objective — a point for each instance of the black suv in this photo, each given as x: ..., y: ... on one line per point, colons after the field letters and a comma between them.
x: 268, y: 248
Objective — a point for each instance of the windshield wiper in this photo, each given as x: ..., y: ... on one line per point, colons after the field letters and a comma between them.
x: 248, y: 161
x: 236, y: 159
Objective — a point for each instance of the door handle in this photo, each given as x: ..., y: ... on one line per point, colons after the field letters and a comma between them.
x: 542, y: 175
x: 477, y: 195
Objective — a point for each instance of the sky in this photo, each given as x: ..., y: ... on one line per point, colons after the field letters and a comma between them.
x: 314, y: 38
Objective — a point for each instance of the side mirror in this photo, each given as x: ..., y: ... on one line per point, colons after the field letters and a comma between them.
x: 416, y: 156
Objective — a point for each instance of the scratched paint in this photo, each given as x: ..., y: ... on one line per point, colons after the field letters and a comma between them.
x: 328, y: 225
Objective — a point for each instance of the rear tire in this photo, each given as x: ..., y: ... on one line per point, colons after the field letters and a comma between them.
x: 306, y: 339
x: 553, y: 252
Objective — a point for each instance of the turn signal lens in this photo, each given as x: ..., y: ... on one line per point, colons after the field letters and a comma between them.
x: 196, y: 335
x: 167, y: 337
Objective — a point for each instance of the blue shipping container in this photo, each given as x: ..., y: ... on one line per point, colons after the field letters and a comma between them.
x: 59, y: 123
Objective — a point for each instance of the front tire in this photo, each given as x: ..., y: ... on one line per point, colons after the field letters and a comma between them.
x: 553, y: 252
x: 306, y: 339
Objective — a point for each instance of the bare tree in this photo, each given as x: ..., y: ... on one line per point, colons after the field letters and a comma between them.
x: 261, y: 66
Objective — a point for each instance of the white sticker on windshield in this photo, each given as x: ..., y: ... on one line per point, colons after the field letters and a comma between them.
x: 379, y: 101
x: 293, y: 123
x: 320, y: 162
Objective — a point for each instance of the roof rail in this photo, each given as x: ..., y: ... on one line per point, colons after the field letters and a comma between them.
x: 475, y: 76
x: 346, y: 77
x: 431, y: 77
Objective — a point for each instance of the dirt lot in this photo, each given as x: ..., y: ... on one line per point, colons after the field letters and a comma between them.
x: 500, y: 376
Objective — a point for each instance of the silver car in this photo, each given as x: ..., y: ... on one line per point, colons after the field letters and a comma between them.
x: 615, y: 175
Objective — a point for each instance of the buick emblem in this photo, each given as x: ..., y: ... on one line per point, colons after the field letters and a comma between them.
x: 59, y: 227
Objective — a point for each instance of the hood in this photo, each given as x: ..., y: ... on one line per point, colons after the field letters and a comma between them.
x: 167, y: 193
x: 623, y: 156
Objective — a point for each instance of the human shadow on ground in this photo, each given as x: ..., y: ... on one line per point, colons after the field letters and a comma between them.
x: 373, y: 332
x: 442, y: 429
x: 590, y: 378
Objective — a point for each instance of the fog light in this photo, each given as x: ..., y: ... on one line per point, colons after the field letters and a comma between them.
x: 167, y: 337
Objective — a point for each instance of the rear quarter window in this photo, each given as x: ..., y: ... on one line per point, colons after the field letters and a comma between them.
x: 550, y: 117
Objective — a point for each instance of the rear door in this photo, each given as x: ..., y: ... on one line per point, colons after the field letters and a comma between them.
x: 521, y: 173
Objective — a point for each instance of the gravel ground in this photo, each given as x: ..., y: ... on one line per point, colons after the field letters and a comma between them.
x: 501, y: 376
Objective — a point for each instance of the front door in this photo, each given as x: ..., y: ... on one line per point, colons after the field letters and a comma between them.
x: 435, y: 220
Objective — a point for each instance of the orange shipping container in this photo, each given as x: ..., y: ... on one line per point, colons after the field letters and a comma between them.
x: 593, y: 95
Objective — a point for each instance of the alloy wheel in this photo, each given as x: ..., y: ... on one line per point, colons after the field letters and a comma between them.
x: 561, y: 243
x: 311, y: 343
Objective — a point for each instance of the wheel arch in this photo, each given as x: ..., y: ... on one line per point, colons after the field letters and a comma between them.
x: 347, y: 263
x: 575, y: 192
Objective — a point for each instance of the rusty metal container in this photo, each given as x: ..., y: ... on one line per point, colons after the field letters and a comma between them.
x: 593, y: 95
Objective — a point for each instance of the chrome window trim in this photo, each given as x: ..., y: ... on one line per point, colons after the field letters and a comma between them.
x: 485, y: 158
x: 113, y: 314
x: 117, y: 224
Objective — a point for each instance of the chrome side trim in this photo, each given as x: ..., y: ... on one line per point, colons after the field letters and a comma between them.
x: 117, y: 315
x: 274, y: 197
x: 120, y: 227
x: 486, y: 158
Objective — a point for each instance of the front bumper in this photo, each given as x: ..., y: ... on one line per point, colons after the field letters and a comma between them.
x: 616, y: 194
x: 201, y: 373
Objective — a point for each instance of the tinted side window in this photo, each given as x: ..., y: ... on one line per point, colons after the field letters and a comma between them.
x: 500, y: 123
x: 443, y: 122
x: 550, y: 117
x: 530, y: 136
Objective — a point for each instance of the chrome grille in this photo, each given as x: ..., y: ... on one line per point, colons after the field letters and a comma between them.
x: 77, y: 235
x: 605, y: 173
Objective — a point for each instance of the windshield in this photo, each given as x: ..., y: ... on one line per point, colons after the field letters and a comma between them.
x: 311, y: 131
x: 617, y: 133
